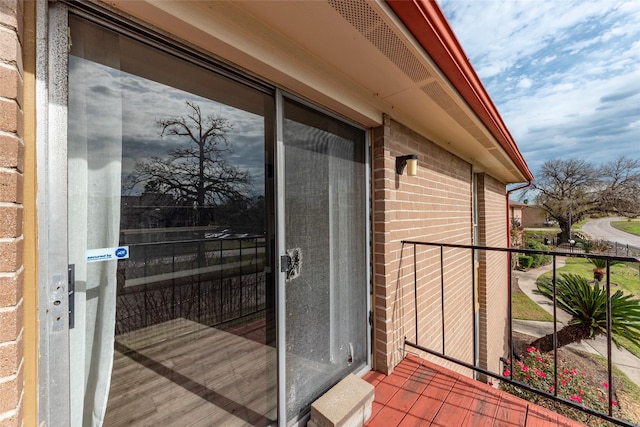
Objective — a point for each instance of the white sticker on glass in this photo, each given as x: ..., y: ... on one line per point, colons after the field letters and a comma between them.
x: 106, y: 254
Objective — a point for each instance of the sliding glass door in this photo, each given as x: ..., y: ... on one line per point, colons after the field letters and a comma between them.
x: 177, y: 213
x: 325, y: 245
x: 170, y: 229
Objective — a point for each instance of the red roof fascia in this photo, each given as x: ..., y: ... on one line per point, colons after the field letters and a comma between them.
x: 427, y: 23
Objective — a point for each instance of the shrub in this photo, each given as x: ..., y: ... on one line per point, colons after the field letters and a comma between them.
x: 536, y: 369
x: 587, y: 305
x: 596, y: 246
x: 525, y: 261
x: 538, y: 259
x: 540, y: 236
x: 602, y: 262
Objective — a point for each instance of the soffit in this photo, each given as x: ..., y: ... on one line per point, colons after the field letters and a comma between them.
x: 354, y: 57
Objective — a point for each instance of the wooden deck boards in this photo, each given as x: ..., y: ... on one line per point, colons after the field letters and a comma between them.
x: 181, y: 373
x: 185, y: 374
x: 420, y: 393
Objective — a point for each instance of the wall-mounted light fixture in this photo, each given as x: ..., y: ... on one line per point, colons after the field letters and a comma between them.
x: 410, y: 161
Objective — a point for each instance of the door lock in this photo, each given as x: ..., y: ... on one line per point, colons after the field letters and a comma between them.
x: 291, y: 263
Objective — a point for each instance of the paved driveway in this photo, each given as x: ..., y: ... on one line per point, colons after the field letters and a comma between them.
x: 602, y: 229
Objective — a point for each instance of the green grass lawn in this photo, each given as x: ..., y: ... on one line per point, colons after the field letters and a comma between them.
x: 623, y: 276
x: 523, y: 308
x: 632, y: 226
x: 631, y: 346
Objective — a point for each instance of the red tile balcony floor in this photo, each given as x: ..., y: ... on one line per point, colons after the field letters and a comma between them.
x: 420, y: 393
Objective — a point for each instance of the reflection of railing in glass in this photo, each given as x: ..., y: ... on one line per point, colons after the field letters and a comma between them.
x: 167, y: 280
x: 172, y: 201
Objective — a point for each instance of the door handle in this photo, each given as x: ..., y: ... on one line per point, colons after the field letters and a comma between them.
x: 285, y: 263
x: 291, y: 263
x: 72, y: 296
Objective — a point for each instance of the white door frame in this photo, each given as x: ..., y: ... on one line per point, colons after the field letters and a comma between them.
x: 281, y: 247
x: 51, y: 152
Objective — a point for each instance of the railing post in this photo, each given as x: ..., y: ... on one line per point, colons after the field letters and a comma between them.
x: 475, y: 308
x: 415, y: 288
x: 255, y: 276
x: 609, y: 325
x: 173, y: 280
x: 241, y: 284
x: 146, y: 288
x: 555, y: 329
x: 221, y: 285
x: 510, y: 305
x: 442, y: 293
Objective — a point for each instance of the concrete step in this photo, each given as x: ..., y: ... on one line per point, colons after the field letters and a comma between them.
x: 347, y: 404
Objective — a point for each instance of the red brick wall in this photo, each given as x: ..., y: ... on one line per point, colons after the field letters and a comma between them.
x: 433, y: 206
x: 493, y: 272
x: 11, y: 229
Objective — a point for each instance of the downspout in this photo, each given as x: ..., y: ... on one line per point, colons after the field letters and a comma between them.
x: 510, y: 260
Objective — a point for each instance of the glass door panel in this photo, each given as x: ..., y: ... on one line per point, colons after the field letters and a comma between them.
x: 171, y: 227
x: 326, y: 287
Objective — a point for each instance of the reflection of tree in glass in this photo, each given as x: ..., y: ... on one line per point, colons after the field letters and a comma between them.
x: 196, y: 173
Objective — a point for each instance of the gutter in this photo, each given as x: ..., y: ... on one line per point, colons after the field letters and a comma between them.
x: 426, y: 21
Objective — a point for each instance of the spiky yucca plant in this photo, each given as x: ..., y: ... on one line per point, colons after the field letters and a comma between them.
x: 587, y: 305
x: 600, y: 265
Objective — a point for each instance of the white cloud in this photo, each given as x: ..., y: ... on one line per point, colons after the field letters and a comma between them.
x: 563, y: 74
x: 548, y: 59
x: 525, y: 83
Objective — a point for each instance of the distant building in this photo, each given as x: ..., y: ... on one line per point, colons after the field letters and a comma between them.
x: 535, y: 217
x: 523, y: 215
x: 515, y: 213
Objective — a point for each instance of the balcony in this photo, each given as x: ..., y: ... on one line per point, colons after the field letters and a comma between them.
x: 424, y: 389
x: 421, y: 393
x: 200, y: 351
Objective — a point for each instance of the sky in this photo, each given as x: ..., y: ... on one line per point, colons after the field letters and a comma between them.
x: 130, y: 107
x: 564, y: 74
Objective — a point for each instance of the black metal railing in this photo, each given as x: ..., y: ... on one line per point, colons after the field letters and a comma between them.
x: 510, y: 252
x: 623, y: 249
x: 209, y: 281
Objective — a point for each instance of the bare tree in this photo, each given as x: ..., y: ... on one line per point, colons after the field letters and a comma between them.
x: 196, y: 173
x: 567, y: 191
x: 620, y: 187
x: 570, y: 189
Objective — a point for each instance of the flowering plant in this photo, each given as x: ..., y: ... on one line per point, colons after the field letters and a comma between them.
x: 536, y: 369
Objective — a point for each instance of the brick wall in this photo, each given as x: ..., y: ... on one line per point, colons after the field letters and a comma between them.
x: 11, y: 229
x: 493, y: 272
x: 533, y: 216
x: 433, y: 206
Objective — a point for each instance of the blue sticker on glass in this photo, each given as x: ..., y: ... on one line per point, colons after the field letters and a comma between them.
x: 121, y: 252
